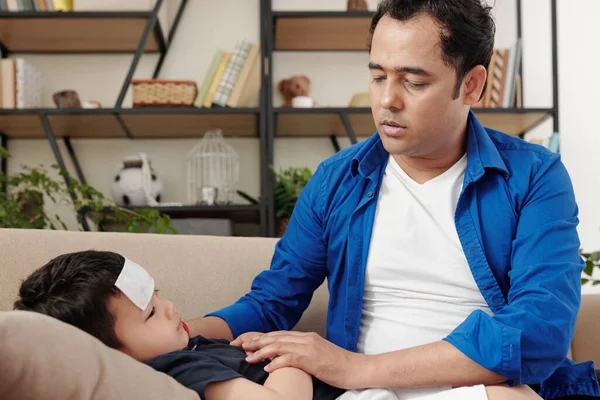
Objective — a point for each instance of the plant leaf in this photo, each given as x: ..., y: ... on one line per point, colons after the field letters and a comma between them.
x: 589, y: 268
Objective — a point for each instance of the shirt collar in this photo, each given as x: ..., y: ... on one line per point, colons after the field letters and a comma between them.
x: 481, y: 153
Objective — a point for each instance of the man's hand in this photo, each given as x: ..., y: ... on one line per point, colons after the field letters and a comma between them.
x: 246, y: 338
x: 309, y: 352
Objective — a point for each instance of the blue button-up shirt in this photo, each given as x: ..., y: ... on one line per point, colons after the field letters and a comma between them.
x: 516, y: 219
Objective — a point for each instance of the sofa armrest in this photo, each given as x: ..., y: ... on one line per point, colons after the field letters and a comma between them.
x: 43, y: 358
x: 586, y: 343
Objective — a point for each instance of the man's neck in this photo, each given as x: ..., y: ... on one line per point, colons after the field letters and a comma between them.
x: 423, y: 169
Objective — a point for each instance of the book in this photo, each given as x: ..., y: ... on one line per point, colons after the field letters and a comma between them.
x: 554, y: 142
x: 208, y: 78
x: 62, y: 5
x: 514, y: 60
x: 498, y: 78
x: 235, y: 99
x: 7, y: 74
x: 28, y: 85
x: 232, y: 73
x: 208, y: 100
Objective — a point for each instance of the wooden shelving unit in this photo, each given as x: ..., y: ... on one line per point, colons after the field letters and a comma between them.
x: 118, y: 32
x: 140, y: 32
x: 77, y: 32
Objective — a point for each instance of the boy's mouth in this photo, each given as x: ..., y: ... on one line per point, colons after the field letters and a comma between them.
x: 185, y: 327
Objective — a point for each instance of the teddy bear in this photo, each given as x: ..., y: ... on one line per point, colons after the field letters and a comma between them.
x: 357, y: 5
x: 297, y: 85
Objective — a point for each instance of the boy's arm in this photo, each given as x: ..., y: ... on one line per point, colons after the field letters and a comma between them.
x: 283, y: 384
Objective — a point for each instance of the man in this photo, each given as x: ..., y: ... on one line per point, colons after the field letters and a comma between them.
x: 450, y: 250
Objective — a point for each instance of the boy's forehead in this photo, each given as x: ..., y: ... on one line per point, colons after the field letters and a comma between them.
x: 136, y: 283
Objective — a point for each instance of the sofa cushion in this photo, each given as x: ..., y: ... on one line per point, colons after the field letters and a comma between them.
x: 43, y: 358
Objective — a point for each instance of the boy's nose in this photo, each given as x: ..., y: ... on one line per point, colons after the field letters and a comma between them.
x: 170, y: 310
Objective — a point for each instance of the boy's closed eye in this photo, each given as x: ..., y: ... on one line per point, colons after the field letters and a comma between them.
x: 152, y: 312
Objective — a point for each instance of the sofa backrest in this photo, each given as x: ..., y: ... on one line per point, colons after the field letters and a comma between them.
x: 199, y: 274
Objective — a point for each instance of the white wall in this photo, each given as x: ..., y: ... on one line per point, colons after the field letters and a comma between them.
x: 208, y: 24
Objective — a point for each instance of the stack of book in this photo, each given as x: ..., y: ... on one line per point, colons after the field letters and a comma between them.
x: 503, y: 88
x: 36, y: 5
x: 232, y: 79
x: 20, y: 84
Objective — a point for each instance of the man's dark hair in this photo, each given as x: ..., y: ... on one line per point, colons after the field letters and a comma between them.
x: 75, y: 288
x: 467, y: 29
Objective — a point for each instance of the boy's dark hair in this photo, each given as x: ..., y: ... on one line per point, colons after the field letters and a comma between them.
x: 467, y: 29
x: 75, y: 288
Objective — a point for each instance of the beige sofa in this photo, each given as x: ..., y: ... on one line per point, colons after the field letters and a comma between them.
x: 41, y: 358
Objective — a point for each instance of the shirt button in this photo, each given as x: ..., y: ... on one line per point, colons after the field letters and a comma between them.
x: 370, y: 194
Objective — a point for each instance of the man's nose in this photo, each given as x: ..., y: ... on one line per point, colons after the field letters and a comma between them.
x: 391, y: 97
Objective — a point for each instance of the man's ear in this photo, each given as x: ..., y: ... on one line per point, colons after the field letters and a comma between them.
x: 473, y: 84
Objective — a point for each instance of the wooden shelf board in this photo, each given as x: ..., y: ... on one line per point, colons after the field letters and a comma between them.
x: 515, y: 123
x: 321, y: 33
x: 158, y: 123
x: 327, y: 122
x: 167, y: 125
x: 86, y: 126
x: 21, y: 126
x: 61, y: 32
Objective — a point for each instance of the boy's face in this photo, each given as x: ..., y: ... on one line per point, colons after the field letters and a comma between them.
x: 146, y: 334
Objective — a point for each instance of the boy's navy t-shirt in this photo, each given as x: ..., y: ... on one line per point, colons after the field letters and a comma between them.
x: 207, y: 361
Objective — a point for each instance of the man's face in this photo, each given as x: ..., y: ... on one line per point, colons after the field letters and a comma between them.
x: 149, y: 333
x: 412, y: 89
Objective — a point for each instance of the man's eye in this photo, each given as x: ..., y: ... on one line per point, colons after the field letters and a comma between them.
x: 378, y: 78
x: 415, y: 85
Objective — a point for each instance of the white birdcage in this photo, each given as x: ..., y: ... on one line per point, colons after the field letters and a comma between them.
x: 213, y: 170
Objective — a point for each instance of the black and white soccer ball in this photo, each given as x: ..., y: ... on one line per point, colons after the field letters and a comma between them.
x: 128, y: 189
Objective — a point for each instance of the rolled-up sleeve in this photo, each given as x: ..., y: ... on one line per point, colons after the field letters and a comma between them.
x: 280, y: 295
x: 529, y: 337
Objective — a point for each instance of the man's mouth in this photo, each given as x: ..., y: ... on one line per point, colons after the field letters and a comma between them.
x: 392, y: 128
x: 393, y: 124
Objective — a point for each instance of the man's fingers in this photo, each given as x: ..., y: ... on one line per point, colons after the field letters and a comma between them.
x: 267, y: 340
x: 245, y: 338
x: 274, y: 350
x: 280, y: 362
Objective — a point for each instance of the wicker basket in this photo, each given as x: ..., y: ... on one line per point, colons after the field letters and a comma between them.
x: 163, y: 93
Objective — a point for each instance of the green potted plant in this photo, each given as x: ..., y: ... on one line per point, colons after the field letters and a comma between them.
x: 23, y: 204
x: 287, y: 185
x: 592, y: 261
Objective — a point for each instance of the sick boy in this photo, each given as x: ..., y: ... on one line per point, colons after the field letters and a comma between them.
x: 114, y: 299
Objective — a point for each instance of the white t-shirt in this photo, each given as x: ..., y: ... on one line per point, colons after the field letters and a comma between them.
x: 418, y: 284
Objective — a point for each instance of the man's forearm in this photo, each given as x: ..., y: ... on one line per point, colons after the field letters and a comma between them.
x: 210, y: 327
x: 435, y: 364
